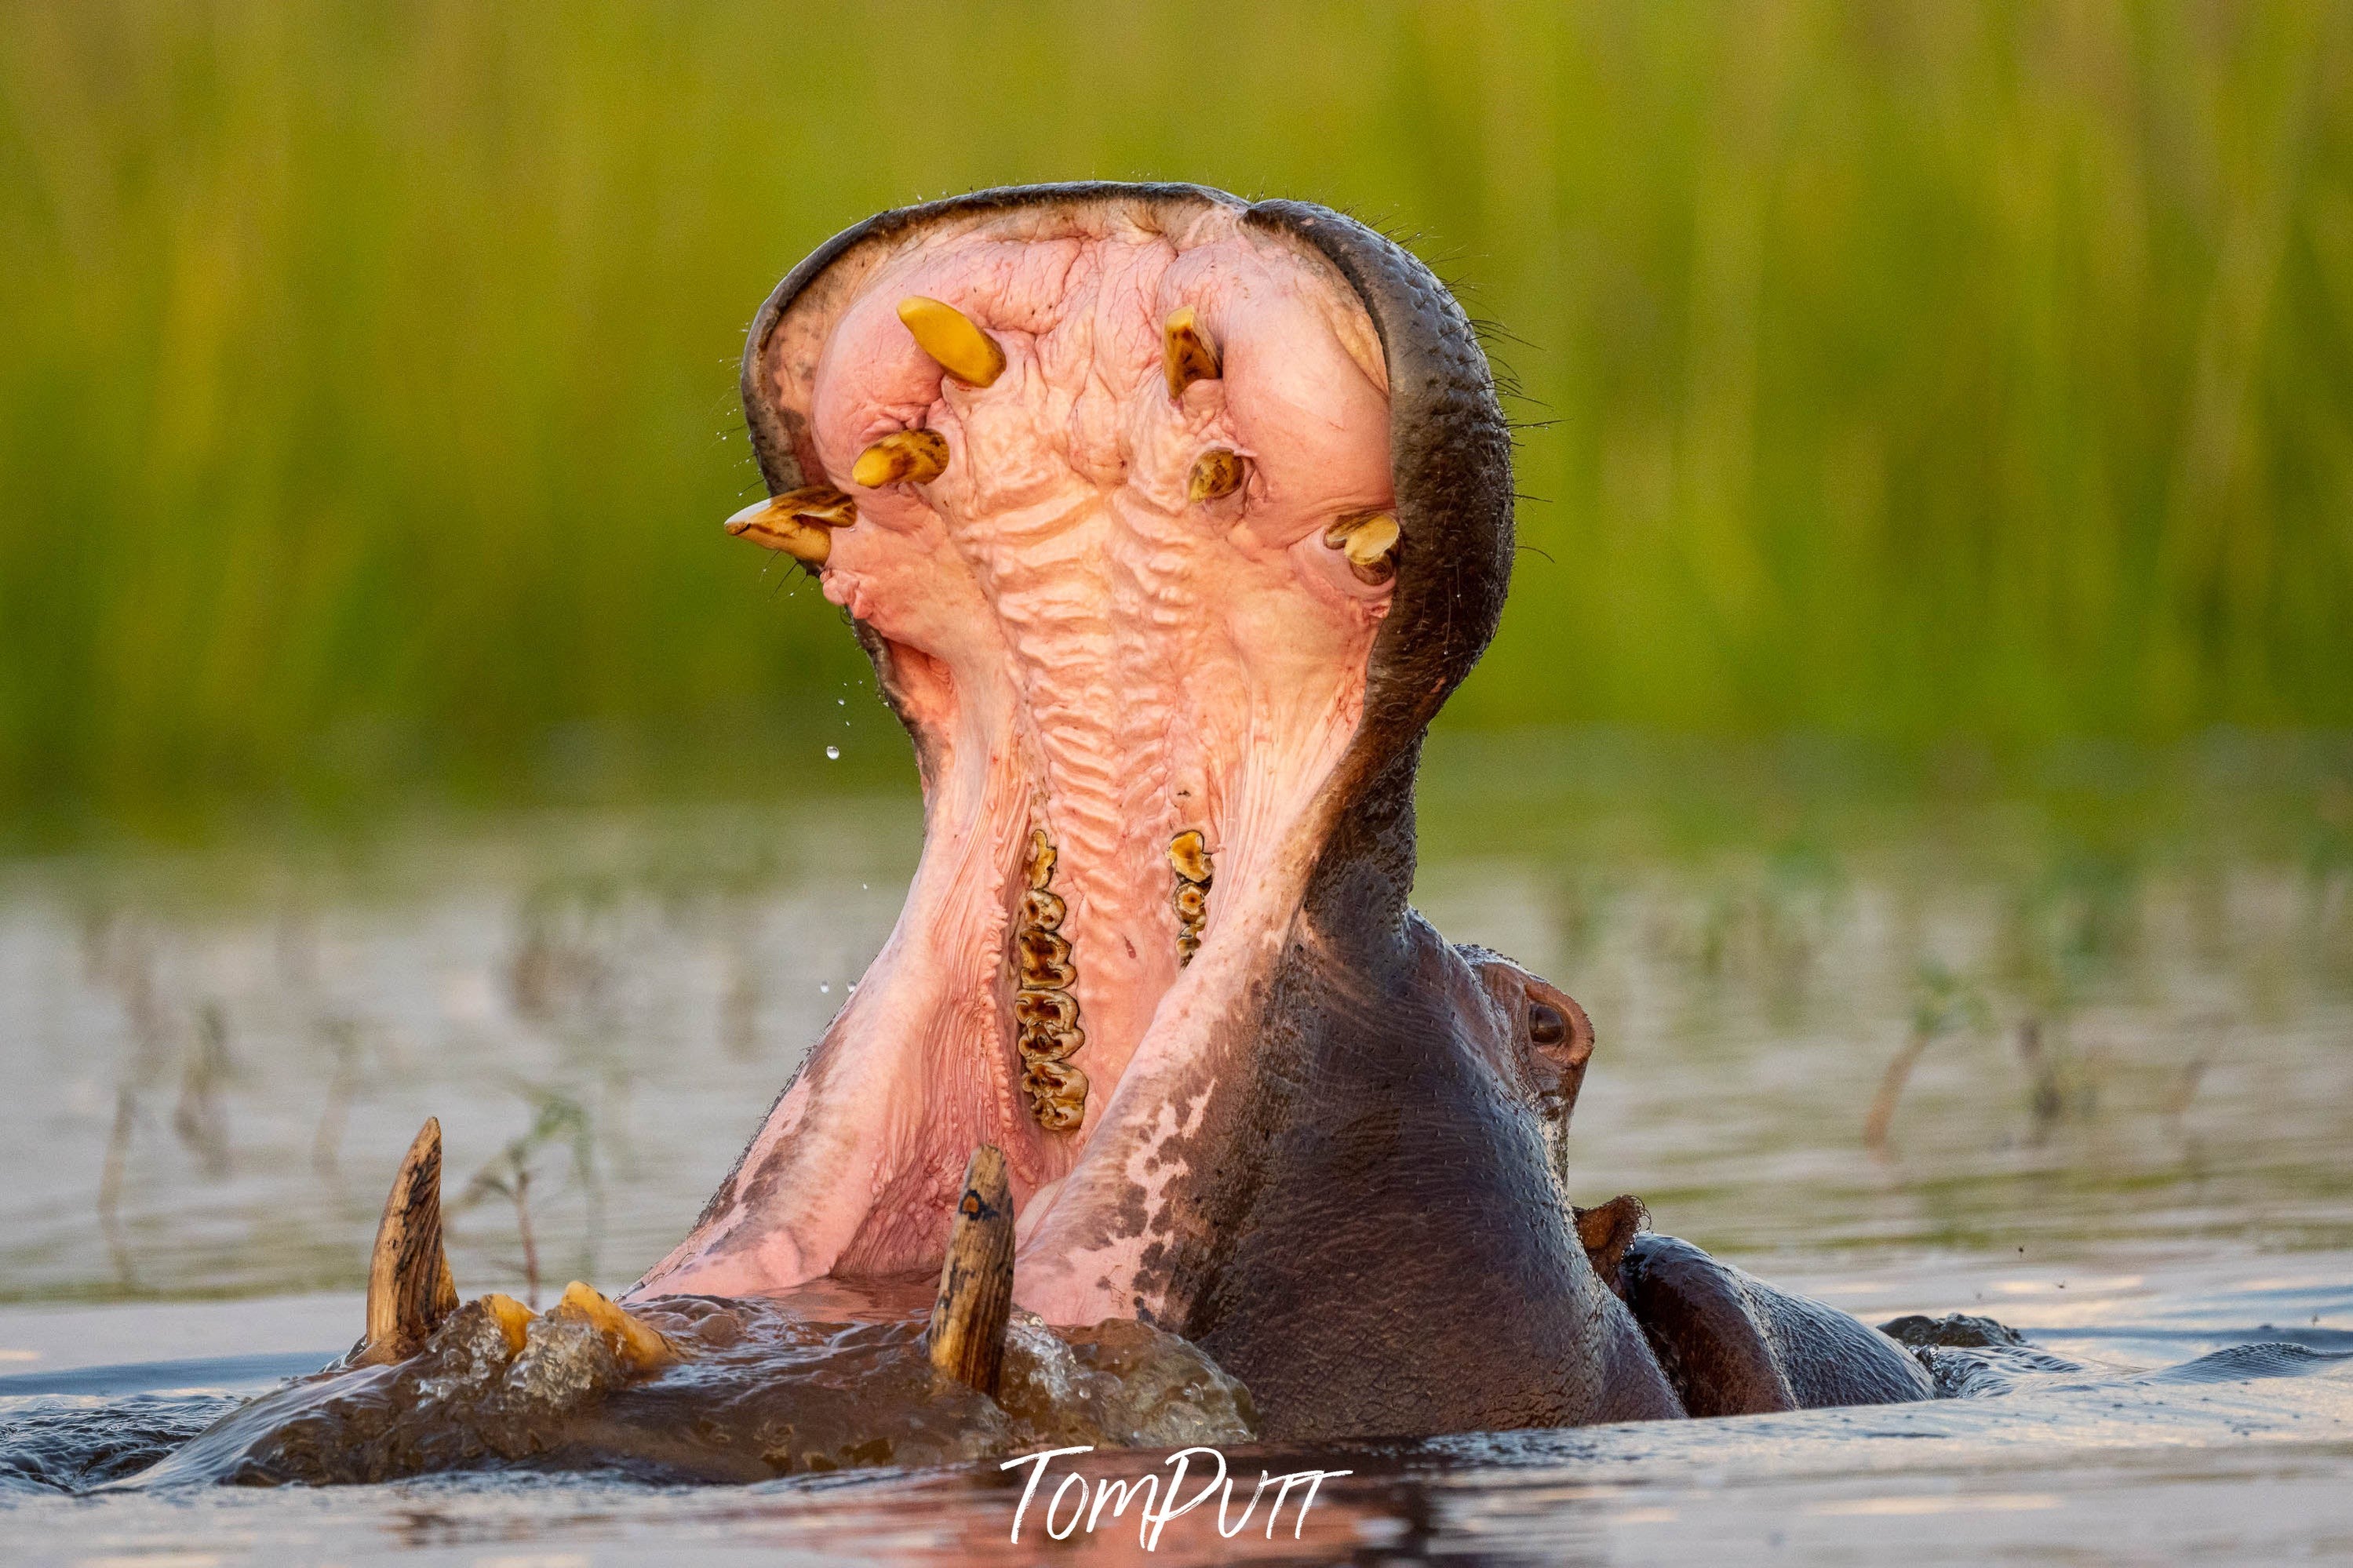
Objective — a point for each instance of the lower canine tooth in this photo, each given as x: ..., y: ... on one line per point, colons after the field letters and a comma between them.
x: 1216, y: 472
x: 903, y: 456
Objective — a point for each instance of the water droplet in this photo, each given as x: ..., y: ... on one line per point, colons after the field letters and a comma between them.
x: 841, y: 702
x: 833, y: 753
x: 825, y: 990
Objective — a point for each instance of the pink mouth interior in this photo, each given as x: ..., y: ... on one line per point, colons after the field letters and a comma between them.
x: 1081, y: 650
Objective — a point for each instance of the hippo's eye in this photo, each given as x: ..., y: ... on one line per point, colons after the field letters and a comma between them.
x: 1546, y: 1026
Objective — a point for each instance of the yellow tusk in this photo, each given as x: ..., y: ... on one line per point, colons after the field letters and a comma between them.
x: 819, y: 503
x: 770, y: 524
x: 1216, y: 472
x: 512, y: 1316
x: 903, y: 456
x: 1190, y: 356
x: 636, y: 1342
x: 1366, y: 541
x: 953, y: 339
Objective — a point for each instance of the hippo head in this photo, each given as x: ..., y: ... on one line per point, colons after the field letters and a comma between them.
x: 1169, y: 522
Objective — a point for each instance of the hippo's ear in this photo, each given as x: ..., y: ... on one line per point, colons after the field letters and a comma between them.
x: 1607, y: 1231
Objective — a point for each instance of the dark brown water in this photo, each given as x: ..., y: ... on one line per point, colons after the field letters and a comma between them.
x: 2128, y: 1012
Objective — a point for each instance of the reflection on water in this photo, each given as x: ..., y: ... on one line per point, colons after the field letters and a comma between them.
x: 2076, y: 1057
x: 1908, y: 1030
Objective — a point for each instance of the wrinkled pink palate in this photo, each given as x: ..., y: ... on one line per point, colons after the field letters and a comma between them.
x: 1078, y: 649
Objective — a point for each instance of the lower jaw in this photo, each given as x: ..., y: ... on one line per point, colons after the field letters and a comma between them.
x: 858, y: 1167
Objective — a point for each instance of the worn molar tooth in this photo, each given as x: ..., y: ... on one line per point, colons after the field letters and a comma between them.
x: 1058, y: 1093
x: 1041, y: 863
x: 1051, y: 1045
x: 1217, y: 472
x: 1040, y: 1007
x: 1367, y: 541
x: 901, y: 457
x: 1191, y: 355
x: 1045, y: 1013
x: 1188, y: 856
x: 952, y: 339
x: 1045, y: 961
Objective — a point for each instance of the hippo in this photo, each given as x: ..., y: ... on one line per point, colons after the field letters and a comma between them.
x: 1169, y: 522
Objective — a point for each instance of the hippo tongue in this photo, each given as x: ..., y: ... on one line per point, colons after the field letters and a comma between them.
x: 1106, y: 485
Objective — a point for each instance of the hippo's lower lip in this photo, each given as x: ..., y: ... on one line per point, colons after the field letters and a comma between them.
x: 1105, y: 481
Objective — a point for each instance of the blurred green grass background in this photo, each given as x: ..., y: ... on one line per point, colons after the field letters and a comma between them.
x: 1908, y: 371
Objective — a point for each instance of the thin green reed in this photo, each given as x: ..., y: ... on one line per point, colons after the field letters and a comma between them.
x: 1914, y: 369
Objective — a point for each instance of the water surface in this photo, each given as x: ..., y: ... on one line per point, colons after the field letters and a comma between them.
x: 2127, y: 1009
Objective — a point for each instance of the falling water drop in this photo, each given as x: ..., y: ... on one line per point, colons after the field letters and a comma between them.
x: 833, y: 753
x: 825, y: 989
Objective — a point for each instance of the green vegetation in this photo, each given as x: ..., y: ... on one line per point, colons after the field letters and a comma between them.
x: 1912, y: 370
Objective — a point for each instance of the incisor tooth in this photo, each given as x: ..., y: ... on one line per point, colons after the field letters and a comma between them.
x: 953, y: 339
x: 903, y: 456
x: 512, y: 1317
x: 1216, y: 472
x: 1190, y: 355
x: 636, y: 1343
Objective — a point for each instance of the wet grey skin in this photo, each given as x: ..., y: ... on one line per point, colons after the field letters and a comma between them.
x: 1373, y: 1238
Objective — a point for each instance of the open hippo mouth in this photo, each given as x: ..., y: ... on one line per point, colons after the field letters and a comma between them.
x: 1169, y: 522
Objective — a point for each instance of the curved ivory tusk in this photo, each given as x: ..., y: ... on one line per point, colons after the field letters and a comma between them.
x: 796, y: 522
x: 409, y: 1286
x: 966, y: 1339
